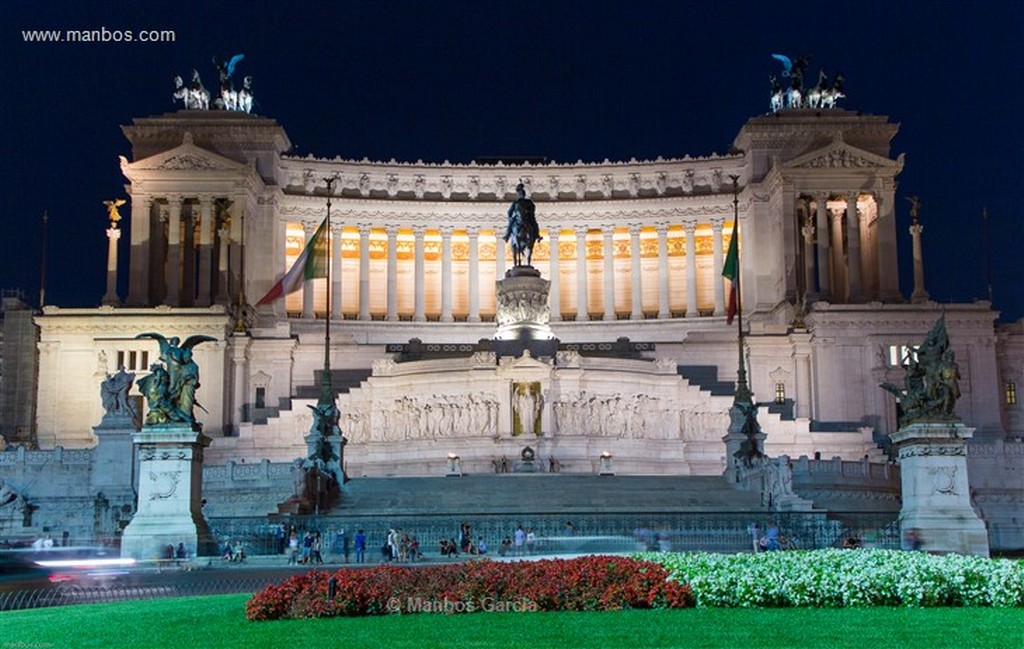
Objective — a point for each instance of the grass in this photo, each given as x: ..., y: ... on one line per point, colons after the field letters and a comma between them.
x: 219, y: 621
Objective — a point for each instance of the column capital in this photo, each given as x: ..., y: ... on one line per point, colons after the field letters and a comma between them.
x: 808, y: 232
x: 717, y: 224
x: 206, y: 200
x: 554, y: 232
x: 446, y: 231
x: 853, y: 196
x: 837, y: 213
x: 419, y: 230
x: 581, y: 230
x: 473, y: 231
x: 336, y: 229
x: 822, y: 195
x: 607, y: 230
x: 916, y: 229
x: 308, y: 227
x: 634, y: 229
x: 113, y: 234
x: 690, y: 225
x: 391, y: 230
x: 364, y: 229
x: 174, y: 199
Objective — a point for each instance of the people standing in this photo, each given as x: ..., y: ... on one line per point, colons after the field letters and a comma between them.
x: 360, y: 547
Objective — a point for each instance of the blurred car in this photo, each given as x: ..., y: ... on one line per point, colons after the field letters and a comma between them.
x: 18, y: 572
x: 83, y: 566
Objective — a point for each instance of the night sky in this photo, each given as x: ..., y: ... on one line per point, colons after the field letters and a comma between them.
x: 563, y: 80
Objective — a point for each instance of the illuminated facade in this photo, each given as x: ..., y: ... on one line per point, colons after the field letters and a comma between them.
x: 632, y: 250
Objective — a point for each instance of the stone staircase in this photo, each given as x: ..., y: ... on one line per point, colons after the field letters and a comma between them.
x: 705, y: 377
x: 544, y: 494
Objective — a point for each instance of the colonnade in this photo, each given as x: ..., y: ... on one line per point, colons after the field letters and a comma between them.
x: 848, y: 246
x: 659, y: 246
x: 181, y: 247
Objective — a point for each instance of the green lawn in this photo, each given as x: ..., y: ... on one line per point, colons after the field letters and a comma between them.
x: 219, y: 621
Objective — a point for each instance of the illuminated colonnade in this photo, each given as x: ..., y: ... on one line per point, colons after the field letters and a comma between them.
x: 447, y: 274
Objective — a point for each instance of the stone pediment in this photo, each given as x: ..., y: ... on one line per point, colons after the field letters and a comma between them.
x: 841, y: 155
x: 526, y: 362
x: 185, y: 157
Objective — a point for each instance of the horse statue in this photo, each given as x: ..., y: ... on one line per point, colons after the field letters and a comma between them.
x: 815, y: 94
x: 522, y: 231
x: 228, y: 95
x: 777, y: 96
x: 200, y: 96
x: 181, y: 92
x: 829, y: 96
x: 245, y: 96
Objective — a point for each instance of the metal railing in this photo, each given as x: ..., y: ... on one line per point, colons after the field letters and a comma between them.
x: 63, y: 595
x: 589, y: 532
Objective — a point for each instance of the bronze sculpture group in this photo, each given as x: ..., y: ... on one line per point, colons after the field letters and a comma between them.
x: 931, y: 384
x: 171, y: 391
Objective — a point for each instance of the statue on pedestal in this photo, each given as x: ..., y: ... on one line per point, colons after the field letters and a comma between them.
x: 522, y: 231
x: 114, y: 394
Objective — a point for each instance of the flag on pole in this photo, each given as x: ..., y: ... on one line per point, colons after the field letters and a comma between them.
x: 312, y: 263
x: 731, y: 271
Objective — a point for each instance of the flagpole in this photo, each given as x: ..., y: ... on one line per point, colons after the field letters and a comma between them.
x: 742, y: 390
x: 326, y: 388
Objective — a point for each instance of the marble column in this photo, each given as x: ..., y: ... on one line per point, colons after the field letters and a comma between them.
x: 853, y: 262
x: 499, y: 256
x: 223, y: 237
x: 392, y: 280
x: 885, y: 228
x: 473, y: 233
x: 307, y: 286
x: 581, y: 273
x: 139, y: 256
x: 419, y: 268
x: 635, y: 273
x: 691, y: 269
x: 336, y: 232
x: 205, y: 249
x: 717, y: 225
x: 919, y: 294
x: 608, y: 232
x: 446, y: 274
x: 554, y: 293
x: 824, y: 252
x: 113, y: 236
x: 172, y: 267
x: 364, y: 271
x: 664, y: 305
x: 810, y: 287
x: 840, y: 289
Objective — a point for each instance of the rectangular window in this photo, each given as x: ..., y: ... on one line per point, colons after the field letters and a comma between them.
x: 780, y: 393
x: 1011, y: 393
x: 261, y: 397
x: 120, y: 360
x: 901, y: 355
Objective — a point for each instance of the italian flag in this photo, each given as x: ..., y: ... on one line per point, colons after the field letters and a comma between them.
x: 731, y: 271
x: 312, y: 263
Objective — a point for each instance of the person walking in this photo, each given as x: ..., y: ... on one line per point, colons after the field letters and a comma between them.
x: 360, y: 547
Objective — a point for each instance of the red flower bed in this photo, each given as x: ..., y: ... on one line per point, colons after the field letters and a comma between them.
x: 594, y: 583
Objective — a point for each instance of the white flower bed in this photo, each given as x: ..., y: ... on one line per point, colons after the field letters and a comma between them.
x: 831, y: 578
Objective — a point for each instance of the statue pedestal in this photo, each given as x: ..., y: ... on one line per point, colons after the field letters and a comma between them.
x: 734, y: 440
x: 936, y: 496
x: 170, y: 494
x: 523, y: 314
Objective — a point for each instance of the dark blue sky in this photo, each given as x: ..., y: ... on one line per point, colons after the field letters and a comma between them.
x: 565, y: 80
